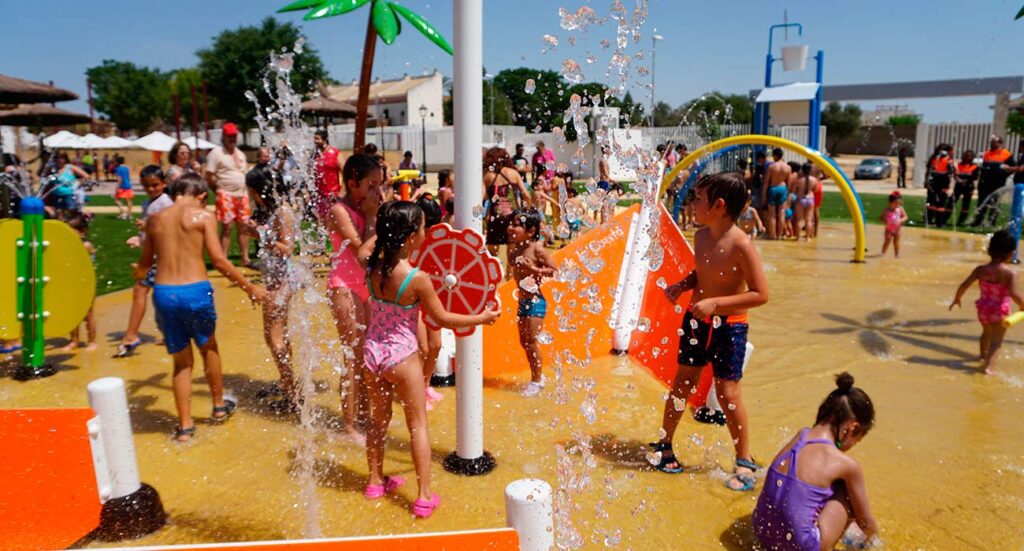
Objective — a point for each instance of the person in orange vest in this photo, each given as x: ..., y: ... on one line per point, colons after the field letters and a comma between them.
x: 995, y: 167
x: 963, y: 190
x: 940, y: 169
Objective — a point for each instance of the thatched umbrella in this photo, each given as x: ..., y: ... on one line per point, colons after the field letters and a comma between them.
x: 327, y: 108
x: 40, y: 114
x: 16, y: 90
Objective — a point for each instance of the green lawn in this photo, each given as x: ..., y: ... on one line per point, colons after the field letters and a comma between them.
x: 114, y: 258
x: 108, y: 200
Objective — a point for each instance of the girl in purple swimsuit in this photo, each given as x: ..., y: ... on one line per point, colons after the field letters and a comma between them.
x: 391, y: 353
x: 813, y: 489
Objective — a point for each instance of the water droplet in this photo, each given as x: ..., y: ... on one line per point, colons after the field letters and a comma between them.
x: 693, y: 324
x: 661, y: 283
x: 662, y: 434
x: 678, y: 404
x: 531, y: 86
x: 653, y: 457
x: 693, y: 342
x: 551, y: 42
x: 678, y: 309
x: 732, y: 407
x: 545, y: 338
x: 643, y: 325
x: 716, y: 322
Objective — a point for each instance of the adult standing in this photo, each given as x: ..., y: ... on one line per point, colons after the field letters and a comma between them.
x: 543, y: 161
x: 326, y: 172
x: 407, y: 163
x: 963, y: 189
x: 501, y: 184
x: 901, y: 170
x: 940, y: 178
x: 181, y: 162
x: 994, y: 171
x: 225, y: 172
x: 520, y: 161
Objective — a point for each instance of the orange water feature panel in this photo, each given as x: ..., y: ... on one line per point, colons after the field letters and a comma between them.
x: 607, y: 244
x: 48, y: 497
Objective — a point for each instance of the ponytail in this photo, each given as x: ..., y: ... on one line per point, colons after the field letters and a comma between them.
x: 846, y: 403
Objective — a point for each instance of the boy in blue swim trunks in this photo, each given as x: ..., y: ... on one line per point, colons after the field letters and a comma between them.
x: 182, y: 295
x: 776, y: 194
x: 529, y: 261
x: 727, y: 281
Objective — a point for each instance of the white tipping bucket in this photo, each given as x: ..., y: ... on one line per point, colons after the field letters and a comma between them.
x: 528, y: 510
x: 794, y: 58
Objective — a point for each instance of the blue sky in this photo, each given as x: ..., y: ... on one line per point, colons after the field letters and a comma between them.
x: 708, y: 45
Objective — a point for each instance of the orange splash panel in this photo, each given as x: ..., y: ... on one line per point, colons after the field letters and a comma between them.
x: 502, y: 353
x: 502, y: 539
x: 48, y: 498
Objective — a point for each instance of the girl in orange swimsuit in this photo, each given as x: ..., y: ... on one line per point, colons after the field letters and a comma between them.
x: 998, y: 287
x: 346, y: 282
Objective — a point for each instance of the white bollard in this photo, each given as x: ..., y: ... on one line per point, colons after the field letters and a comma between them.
x: 528, y: 510
x: 444, y: 372
x: 108, y: 399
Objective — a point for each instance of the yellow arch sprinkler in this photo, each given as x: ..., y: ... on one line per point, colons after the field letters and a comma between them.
x: 813, y: 155
x: 47, y: 290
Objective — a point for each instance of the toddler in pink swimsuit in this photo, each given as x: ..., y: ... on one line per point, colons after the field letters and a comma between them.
x: 392, y: 359
x: 894, y: 217
x: 998, y: 285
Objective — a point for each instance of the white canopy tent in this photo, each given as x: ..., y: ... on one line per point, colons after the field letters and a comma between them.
x: 63, y: 140
x: 116, y: 142
x: 157, y: 141
x: 195, y: 142
x: 91, y: 141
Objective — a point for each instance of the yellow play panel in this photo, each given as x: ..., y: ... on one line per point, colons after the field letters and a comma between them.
x: 943, y: 465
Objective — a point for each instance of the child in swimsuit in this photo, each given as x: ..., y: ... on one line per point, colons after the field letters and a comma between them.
x: 429, y: 339
x: 749, y: 221
x: 814, y: 489
x: 183, y: 296
x: 275, y: 225
x: 529, y: 261
x: 346, y: 282
x: 392, y: 358
x: 894, y: 217
x: 998, y: 288
x: 727, y: 281
x: 79, y: 223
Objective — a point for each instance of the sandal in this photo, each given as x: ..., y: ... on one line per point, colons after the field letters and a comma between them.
x: 424, y: 508
x: 709, y: 416
x: 124, y: 350
x: 666, y: 460
x: 179, y: 432
x: 376, y: 491
x: 10, y: 349
x: 747, y: 480
x: 274, y: 389
x: 226, y: 410
x: 282, y: 406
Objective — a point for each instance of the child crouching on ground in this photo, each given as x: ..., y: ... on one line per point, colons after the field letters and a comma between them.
x: 529, y: 262
x: 726, y: 282
x: 814, y: 489
x: 183, y: 296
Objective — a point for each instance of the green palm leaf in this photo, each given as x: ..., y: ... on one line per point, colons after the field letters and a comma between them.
x: 334, y: 7
x: 422, y: 26
x: 301, y: 5
x: 385, y: 21
x: 1019, y: 14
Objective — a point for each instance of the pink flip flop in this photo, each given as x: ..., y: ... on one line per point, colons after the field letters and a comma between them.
x: 423, y: 509
x: 391, y: 483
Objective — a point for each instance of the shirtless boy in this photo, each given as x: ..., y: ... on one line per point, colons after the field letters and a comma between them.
x: 726, y: 282
x: 182, y: 295
x: 774, y: 194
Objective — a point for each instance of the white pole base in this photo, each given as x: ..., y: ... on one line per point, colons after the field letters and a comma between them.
x: 528, y: 509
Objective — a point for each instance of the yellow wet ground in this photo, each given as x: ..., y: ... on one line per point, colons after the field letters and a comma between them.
x: 944, y: 466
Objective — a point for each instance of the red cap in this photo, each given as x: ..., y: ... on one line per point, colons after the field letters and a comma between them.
x: 229, y: 129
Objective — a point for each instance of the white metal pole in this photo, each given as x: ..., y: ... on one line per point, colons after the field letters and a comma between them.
x: 469, y: 422
x: 528, y: 510
x: 107, y: 398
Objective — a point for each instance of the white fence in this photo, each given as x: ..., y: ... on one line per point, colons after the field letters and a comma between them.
x: 974, y: 136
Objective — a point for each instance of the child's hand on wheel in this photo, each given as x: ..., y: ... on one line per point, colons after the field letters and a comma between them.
x: 490, y: 315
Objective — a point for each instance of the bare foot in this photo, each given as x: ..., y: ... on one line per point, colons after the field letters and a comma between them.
x: 353, y: 435
x: 70, y: 347
x: 91, y: 347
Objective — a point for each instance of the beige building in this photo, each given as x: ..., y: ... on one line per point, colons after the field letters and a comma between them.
x: 398, y: 102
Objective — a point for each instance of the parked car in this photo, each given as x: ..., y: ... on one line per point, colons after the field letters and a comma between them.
x: 875, y: 168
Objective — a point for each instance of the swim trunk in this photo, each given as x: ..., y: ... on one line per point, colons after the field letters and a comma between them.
x: 533, y: 306
x: 723, y: 346
x: 777, y: 196
x: 124, y: 194
x: 185, y: 313
x: 150, y: 279
x: 232, y: 208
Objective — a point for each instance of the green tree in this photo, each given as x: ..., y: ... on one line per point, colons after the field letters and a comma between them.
x: 132, y: 97
x: 500, y: 110
x: 237, y: 60
x: 725, y: 109
x: 1015, y: 123
x: 630, y: 112
x: 904, y: 120
x: 664, y: 115
x: 181, y: 83
x: 842, y: 122
x: 539, y: 108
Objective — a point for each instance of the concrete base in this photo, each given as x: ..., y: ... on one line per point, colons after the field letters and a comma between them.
x: 131, y: 516
x: 470, y: 467
x: 28, y: 372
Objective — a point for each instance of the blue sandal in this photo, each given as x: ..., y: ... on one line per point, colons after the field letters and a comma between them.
x: 748, y: 481
x: 10, y: 349
x: 227, y: 409
x: 662, y: 447
x: 124, y: 350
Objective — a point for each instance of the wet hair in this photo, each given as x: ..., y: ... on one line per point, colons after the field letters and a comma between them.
x: 741, y: 164
x: 323, y: 134
x: 443, y: 177
x: 727, y: 186
x: 660, y: 148
x: 172, y: 155
x: 1001, y: 245
x: 431, y: 210
x: 760, y: 155
x: 192, y: 185
x: 806, y: 168
x: 777, y: 152
x: 495, y: 159
x: 794, y: 166
x: 370, y: 149
x: 571, y: 190
x: 269, y: 190
x: 682, y: 147
x: 357, y: 167
x: 151, y: 171
x: 895, y: 196
x: 970, y: 152
x: 530, y: 219
x: 847, y: 403
x: 396, y: 221
x: 78, y: 222
x: 407, y: 154
x: 519, y: 145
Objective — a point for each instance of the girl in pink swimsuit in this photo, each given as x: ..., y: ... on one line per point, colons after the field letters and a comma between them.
x: 392, y: 359
x: 894, y: 217
x: 998, y: 288
x: 346, y: 282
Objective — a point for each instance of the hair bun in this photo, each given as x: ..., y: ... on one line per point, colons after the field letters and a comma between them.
x: 844, y: 381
